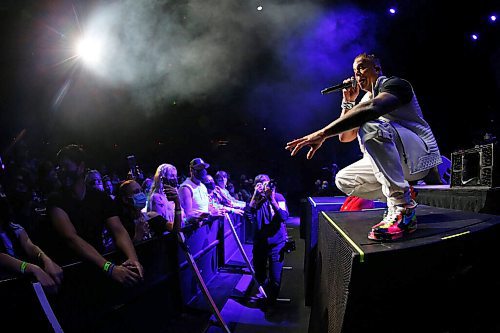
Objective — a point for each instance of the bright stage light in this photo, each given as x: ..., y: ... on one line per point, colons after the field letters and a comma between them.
x: 89, y: 50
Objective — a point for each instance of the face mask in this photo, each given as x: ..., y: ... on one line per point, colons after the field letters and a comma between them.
x: 210, y: 186
x: 139, y: 200
x: 200, y: 174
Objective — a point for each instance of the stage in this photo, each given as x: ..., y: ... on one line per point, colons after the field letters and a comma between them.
x: 472, y: 199
x: 443, y: 274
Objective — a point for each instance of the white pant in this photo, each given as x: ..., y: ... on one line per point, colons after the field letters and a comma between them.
x: 383, y: 172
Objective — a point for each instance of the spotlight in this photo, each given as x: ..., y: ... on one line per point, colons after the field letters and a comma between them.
x: 259, y: 8
x: 89, y: 50
x: 474, y: 36
x: 392, y: 11
x: 493, y: 18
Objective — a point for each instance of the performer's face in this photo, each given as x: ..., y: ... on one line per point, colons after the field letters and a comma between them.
x: 366, y: 73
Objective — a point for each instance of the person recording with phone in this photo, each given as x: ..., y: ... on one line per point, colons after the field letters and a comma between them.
x: 398, y: 145
x: 140, y: 225
x: 268, y: 212
x: 163, y: 197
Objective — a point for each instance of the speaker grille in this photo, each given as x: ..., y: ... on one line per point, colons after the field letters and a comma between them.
x: 337, y: 253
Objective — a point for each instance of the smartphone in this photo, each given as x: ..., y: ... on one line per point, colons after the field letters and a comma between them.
x: 132, y: 163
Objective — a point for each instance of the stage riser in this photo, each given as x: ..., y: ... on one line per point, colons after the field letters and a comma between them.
x: 422, y: 285
x: 309, y: 223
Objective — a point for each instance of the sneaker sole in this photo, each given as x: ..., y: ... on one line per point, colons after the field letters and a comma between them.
x: 380, y: 236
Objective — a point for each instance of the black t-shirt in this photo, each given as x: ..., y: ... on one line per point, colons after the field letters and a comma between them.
x: 88, y: 216
x: 268, y: 228
x: 399, y: 88
x: 9, y: 240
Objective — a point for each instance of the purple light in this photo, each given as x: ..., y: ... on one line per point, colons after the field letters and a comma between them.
x: 474, y: 36
x: 392, y: 11
x: 493, y: 18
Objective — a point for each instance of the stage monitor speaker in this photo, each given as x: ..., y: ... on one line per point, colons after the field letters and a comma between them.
x: 309, y: 223
x: 475, y: 167
x: 315, y: 206
x: 441, y: 278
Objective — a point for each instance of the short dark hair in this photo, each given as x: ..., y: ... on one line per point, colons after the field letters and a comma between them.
x: 72, y: 152
x: 122, y: 190
x: 370, y: 57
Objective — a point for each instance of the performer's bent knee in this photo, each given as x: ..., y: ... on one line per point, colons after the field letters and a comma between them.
x: 343, y: 182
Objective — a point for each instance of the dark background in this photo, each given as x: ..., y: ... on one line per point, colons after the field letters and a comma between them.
x: 243, y: 126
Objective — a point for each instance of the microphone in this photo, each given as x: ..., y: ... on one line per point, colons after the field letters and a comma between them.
x: 341, y: 86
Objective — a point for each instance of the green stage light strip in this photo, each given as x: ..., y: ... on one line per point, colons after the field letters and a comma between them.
x: 456, y: 235
x: 354, y: 245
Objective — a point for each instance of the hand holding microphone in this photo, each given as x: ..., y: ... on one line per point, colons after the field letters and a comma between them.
x: 350, y: 93
x: 348, y: 83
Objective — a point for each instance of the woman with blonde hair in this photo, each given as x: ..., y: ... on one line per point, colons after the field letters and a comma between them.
x: 165, y: 180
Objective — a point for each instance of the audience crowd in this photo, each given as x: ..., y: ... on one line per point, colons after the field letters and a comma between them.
x: 62, y: 210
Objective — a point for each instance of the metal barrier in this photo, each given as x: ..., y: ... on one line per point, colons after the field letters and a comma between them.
x: 90, y: 301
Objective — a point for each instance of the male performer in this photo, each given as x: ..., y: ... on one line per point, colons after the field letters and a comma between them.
x: 397, y: 144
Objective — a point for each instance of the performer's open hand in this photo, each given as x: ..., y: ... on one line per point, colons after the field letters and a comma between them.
x: 313, y: 140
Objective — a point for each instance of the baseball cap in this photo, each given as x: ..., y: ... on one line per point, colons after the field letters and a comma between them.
x: 198, y: 164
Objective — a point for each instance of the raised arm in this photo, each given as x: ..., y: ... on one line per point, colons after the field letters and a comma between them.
x: 358, y: 115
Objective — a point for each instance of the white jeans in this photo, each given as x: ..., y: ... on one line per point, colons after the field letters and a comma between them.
x: 383, y: 172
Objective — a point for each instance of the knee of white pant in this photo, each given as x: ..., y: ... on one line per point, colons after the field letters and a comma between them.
x: 343, y: 182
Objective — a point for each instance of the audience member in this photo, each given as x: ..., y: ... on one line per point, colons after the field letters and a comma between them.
x: 165, y: 180
x: 245, y: 189
x: 192, y: 193
x: 79, y: 213
x: 140, y: 226
x: 268, y: 213
x: 93, y: 179
x: 221, y: 179
x: 146, y: 185
x: 108, y: 187
x: 215, y: 206
x: 19, y: 254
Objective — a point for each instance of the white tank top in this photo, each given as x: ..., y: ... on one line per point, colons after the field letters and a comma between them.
x: 200, y: 197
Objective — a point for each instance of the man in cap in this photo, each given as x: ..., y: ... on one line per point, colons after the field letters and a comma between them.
x: 193, y: 193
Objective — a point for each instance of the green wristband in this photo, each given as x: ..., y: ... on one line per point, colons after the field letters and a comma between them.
x: 24, y: 264
x: 106, y: 266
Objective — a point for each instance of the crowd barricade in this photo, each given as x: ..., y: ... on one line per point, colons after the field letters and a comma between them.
x: 229, y: 246
x: 88, y: 301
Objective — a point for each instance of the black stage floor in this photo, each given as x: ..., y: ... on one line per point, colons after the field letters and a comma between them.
x: 445, y: 273
x: 434, y: 223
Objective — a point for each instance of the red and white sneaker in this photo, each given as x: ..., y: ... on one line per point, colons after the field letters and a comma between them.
x: 397, y: 222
